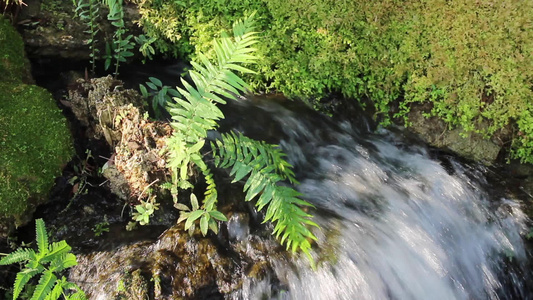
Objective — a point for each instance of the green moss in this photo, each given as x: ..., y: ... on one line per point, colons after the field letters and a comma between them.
x: 13, y: 64
x: 34, y: 144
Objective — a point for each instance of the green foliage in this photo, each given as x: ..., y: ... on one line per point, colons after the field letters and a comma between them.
x: 144, y: 211
x: 159, y: 94
x: 478, y: 67
x: 49, y: 262
x: 101, y: 227
x: 145, y: 45
x: 471, y: 60
x: 88, y: 12
x: 120, y: 48
x: 265, y: 167
x: 195, y: 112
x: 198, y: 113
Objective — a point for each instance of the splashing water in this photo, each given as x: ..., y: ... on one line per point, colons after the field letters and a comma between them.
x: 395, y: 223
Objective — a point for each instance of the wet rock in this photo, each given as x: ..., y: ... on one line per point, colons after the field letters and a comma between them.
x: 176, y: 266
x: 50, y: 28
x: 436, y: 133
x: 133, y: 286
x: 35, y: 142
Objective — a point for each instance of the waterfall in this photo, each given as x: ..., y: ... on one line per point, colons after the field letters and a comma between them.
x: 395, y: 222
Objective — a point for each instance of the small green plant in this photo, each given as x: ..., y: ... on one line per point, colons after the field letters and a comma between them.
x: 119, y: 49
x: 144, y: 211
x: 88, y: 12
x: 145, y: 45
x: 101, y: 227
x: 49, y: 262
x: 159, y: 94
x: 207, y: 218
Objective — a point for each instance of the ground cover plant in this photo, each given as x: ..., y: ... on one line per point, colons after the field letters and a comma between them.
x: 469, y: 61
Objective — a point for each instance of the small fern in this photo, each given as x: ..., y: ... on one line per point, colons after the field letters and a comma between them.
x: 49, y: 261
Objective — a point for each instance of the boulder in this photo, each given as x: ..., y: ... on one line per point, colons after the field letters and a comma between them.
x: 436, y: 133
x: 35, y: 141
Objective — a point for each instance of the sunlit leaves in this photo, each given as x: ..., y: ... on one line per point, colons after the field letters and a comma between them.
x: 195, y: 112
x: 48, y: 261
x: 265, y: 167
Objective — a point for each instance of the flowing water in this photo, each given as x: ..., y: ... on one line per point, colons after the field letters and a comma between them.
x: 395, y: 222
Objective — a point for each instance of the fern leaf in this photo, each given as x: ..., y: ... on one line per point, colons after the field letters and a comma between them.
x: 46, y: 282
x: 20, y: 281
x: 80, y: 295
x: 211, y: 193
x: 56, y: 250
x: 63, y: 262
x: 262, y: 162
x: 56, y: 292
x: 41, y: 236
x: 18, y: 256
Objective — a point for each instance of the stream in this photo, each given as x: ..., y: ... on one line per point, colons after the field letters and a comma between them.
x: 398, y: 220
x: 395, y: 222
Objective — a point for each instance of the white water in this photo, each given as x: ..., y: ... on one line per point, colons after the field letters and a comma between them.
x: 400, y: 225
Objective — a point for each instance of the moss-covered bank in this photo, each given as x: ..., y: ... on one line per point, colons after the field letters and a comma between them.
x: 35, y: 141
x: 469, y: 63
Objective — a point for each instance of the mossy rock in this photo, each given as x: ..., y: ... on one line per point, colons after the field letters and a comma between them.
x: 13, y: 64
x: 35, y: 143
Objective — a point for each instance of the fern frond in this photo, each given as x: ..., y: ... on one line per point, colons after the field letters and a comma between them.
x: 18, y: 255
x: 56, y: 292
x: 265, y: 167
x: 56, y: 250
x: 211, y: 193
x: 46, y: 282
x: 22, y: 278
x: 41, y: 236
x: 196, y: 112
x: 63, y: 262
x: 80, y: 295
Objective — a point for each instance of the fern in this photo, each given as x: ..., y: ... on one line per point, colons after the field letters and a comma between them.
x: 41, y: 236
x: 18, y: 256
x: 22, y: 278
x: 50, y: 260
x: 45, y: 285
x: 266, y: 167
x: 195, y: 113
